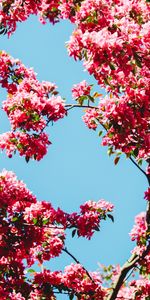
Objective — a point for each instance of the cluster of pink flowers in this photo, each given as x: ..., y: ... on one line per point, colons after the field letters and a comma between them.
x: 112, y: 38
x: 138, y: 233
x: 91, y: 118
x: 136, y: 289
x: 147, y: 194
x: 88, y: 220
x: 81, y: 89
x: 127, y: 125
x: 30, y: 106
x: 74, y: 279
x: 34, y: 231
x: 28, y: 145
x: 16, y: 11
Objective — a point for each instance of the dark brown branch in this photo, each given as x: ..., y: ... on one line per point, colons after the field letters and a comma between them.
x: 128, y: 276
x: 77, y: 261
x: 70, y: 106
x: 148, y: 217
x: 133, y: 161
x: 131, y: 263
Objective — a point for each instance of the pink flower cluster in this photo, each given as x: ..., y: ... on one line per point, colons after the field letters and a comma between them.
x: 81, y: 89
x: 127, y: 124
x: 33, y: 231
x: 74, y: 278
x: 91, y: 118
x: 30, y: 106
x: 136, y: 289
x: 28, y: 145
x: 138, y: 233
x: 88, y: 220
x: 147, y: 194
x: 112, y: 39
x: 19, y: 11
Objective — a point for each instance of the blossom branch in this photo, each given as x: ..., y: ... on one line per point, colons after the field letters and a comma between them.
x: 148, y: 178
x: 77, y: 261
x: 129, y: 264
x: 70, y: 106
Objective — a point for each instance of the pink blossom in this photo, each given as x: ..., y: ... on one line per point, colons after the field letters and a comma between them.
x: 81, y: 89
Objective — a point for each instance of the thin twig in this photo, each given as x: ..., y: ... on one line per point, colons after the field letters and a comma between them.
x: 70, y: 106
x: 129, y: 275
x: 133, y: 161
x: 77, y: 261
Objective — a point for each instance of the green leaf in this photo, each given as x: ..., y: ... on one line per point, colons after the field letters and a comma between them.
x: 138, y: 60
x: 140, y: 162
x: 35, y: 221
x: 27, y: 158
x: 31, y: 271
x: 110, y: 217
x: 45, y: 221
x: 53, y: 9
x: 116, y: 160
x: 35, y: 117
x: 91, y: 99
x: 81, y: 99
x: 13, y: 140
x: 35, y: 156
x: 20, y: 146
x: 110, y: 151
x: 14, y: 219
x: 96, y: 228
x: 74, y: 232
x: 112, y: 66
x: 100, y: 133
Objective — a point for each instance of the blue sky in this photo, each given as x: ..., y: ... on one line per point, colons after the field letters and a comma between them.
x: 76, y: 168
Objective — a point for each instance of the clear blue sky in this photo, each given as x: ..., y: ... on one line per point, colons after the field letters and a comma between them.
x: 76, y: 168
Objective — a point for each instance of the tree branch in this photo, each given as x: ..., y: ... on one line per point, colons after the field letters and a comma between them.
x: 133, y: 161
x: 77, y: 261
x: 131, y: 263
x: 70, y: 106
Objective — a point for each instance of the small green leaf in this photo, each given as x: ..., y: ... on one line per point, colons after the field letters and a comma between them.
x: 110, y: 217
x: 53, y: 9
x: 35, y: 221
x: 96, y: 228
x: 45, y: 221
x: 20, y: 146
x: 138, y: 60
x: 112, y: 66
x: 27, y: 158
x: 35, y: 117
x: 81, y: 100
x: 140, y: 162
x: 73, y: 233
x: 91, y: 98
x: 31, y: 271
x: 14, y: 219
x: 100, y: 133
x: 116, y: 160
x: 110, y: 151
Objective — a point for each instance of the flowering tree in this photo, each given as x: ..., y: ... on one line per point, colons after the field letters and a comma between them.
x: 112, y: 38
